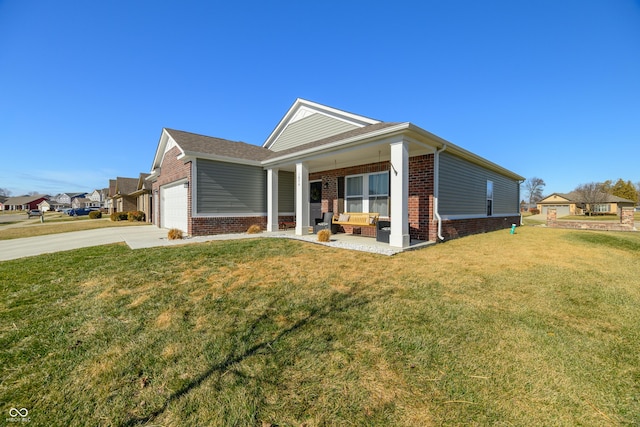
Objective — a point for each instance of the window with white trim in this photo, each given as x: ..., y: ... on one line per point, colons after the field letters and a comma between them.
x: 367, y: 193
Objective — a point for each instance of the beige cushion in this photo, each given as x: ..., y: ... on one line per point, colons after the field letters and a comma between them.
x: 343, y: 218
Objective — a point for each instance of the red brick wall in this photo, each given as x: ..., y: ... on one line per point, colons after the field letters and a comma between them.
x: 453, y: 229
x: 173, y: 170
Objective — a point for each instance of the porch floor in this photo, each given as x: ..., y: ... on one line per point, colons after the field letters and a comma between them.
x: 350, y: 241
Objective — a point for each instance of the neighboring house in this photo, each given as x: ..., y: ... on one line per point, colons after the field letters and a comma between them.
x: 97, y: 198
x: 23, y: 203
x: 2, y: 200
x: 67, y: 198
x: 81, y: 202
x: 123, y: 200
x: 321, y: 159
x: 572, y: 204
x: 44, y: 206
x: 143, y: 196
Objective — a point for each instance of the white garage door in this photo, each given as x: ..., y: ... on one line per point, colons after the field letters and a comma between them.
x: 173, y: 207
x: 561, y: 210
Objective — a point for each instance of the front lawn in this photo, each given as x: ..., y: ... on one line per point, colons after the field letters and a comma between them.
x: 537, y: 328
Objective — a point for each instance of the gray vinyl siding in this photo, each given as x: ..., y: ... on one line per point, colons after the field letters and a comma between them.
x: 311, y: 128
x: 463, y: 189
x: 230, y: 188
x: 286, y: 191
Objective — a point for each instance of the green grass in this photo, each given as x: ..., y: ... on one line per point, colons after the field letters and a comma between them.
x: 537, y: 328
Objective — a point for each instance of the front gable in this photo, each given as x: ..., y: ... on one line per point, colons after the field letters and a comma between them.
x: 308, y: 121
x: 165, y: 144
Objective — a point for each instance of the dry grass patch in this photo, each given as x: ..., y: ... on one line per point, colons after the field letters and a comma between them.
x: 535, y: 328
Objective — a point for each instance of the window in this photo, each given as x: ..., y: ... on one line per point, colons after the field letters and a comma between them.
x: 379, y: 193
x: 367, y: 193
x: 602, y: 208
x: 489, y: 198
x: 354, y: 194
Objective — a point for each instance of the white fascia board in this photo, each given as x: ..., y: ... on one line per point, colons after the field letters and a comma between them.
x: 354, y: 119
x: 342, y: 144
x: 165, y: 140
x: 189, y: 156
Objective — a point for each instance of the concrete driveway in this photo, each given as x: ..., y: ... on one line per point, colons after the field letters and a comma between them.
x: 135, y: 236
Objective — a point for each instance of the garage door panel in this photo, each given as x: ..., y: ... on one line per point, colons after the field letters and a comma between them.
x: 173, y: 206
x: 561, y: 210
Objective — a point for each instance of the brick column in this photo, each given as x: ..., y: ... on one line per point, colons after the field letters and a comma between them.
x: 551, y: 217
x: 626, y: 216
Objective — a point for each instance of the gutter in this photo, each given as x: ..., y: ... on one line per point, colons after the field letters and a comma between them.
x: 436, y: 185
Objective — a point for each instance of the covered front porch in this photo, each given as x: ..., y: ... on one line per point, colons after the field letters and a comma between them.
x: 328, y: 175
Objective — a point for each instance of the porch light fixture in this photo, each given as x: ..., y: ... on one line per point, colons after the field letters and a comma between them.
x: 326, y: 185
x: 186, y: 184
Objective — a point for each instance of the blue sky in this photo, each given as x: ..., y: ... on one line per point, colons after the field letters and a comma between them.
x: 544, y: 88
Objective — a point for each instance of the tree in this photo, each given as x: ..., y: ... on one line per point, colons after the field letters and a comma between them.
x: 626, y: 190
x: 4, y: 192
x: 534, y: 187
x: 591, y: 195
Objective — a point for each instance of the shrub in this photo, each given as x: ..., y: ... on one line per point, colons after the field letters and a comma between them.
x: 135, y: 216
x: 119, y: 216
x: 534, y: 211
x: 324, y: 235
x: 254, y: 229
x: 95, y: 214
x: 175, y: 234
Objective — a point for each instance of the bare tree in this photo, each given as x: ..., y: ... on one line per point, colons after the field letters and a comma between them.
x: 534, y: 187
x: 591, y: 195
x: 5, y: 192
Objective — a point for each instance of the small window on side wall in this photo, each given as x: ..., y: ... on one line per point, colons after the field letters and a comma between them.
x: 489, y: 198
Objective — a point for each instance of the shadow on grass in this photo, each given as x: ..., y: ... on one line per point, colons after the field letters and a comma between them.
x: 616, y: 241
x: 338, y: 302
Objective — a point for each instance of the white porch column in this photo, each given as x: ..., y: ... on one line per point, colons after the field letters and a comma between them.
x: 302, y: 199
x: 399, y: 236
x: 272, y: 200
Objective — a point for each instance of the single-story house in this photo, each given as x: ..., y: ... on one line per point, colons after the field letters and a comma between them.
x: 23, y: 203
x: 573, y: 204
x: 320, y: 159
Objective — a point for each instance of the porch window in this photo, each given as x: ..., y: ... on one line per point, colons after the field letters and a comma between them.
x: 354, y: 194
x: 379, y: 193
x: 367, y: 193
x: 602, y: 208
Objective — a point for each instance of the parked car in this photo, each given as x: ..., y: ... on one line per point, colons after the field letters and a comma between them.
x: 34, y: 212
x: 79, y: 212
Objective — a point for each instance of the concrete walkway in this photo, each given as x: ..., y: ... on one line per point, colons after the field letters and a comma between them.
x: 148, y: 236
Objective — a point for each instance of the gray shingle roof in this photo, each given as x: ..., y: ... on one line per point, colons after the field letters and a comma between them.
x: 195, y: 143
x: 126, y: 186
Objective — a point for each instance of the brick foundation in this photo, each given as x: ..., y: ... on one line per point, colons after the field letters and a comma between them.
x: 453, y: 229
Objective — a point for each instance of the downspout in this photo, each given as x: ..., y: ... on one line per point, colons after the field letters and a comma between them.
x: 436, y: 185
